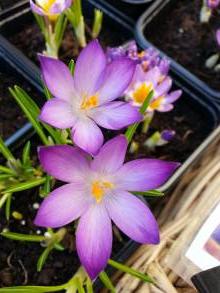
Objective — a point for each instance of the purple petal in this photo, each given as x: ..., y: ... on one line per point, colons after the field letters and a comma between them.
x: 36, y: 9
x: 89, y: 66
x: 218, y: 36
x: 57, y: 78
x: 94, y: 240
x: 144, y: 174
x: 66, y: 163
x: 58, y: 113
x: 111, y: 156
x: 116, y: 78
x: 115, y: 115
x: 62, y: 206
x: 132, y: 217
x: 165, y: 107
x: 164, y: 87
x: 59, y: 6
x: 88, y: 136
x: 172, y: 97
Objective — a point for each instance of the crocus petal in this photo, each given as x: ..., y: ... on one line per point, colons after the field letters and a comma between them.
x: 132, y: 217
x: 164, y: 87
x: 57, y: 78
x: 89, y: 66
x: 66, y: 163
x: 165, y: 107
x: 144, y: 174
x: 111, y: 156
x: 94, y: 240
x: 59, y: 6
x: 116, y: 78
x: 58, y: 113
x: 116, y: 115
x: 218, y: 36
x: 62, y: 206
x: 36, y: 9
x: 153, y: 75
x: 87, y: 135
x: 172, y: 97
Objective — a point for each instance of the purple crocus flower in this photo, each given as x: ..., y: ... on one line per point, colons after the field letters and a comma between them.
x: 97, y: 192
x: 212, y: 4
x: 85, y: 100
x: 153, y: 80
x: 50, y: 8
x: 218, y: 36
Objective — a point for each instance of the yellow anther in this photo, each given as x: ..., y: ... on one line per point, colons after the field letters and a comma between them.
x: 141, y: 93
x: 155, y: 104
x: 99, y: 189
x: 141, y: 54
x: 46, y: 5
x: 90, y: 102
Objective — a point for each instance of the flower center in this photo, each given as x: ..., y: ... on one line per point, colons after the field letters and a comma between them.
x: 99, y: 188
x: 156, y: 103
x: 142, y: 92
x: 90, y: 102
x: 46, y: 4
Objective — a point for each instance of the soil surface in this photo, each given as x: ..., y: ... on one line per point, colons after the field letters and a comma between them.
x: 30, y: 41
x: 178, y: 32
x: 7, y: 3
x: 11, y: 118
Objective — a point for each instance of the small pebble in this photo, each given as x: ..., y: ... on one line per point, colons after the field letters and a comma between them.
x: 5, y: 230
x: 47, y: 235
x: 38, y: 232
x: 23, y: 222
x: 36, y: 206
x: 181, y: 30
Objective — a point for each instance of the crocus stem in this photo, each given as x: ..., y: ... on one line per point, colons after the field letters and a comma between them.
x: 132, y: 129
x: 146, y: 123
x: 5, y: 151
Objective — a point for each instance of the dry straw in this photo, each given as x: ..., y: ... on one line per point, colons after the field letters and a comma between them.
x: 174, y: 218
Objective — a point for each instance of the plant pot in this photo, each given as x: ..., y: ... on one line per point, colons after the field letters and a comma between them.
x: 188, y: 45
x: 125, y: 12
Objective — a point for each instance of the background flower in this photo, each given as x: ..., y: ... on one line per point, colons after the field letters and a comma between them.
x: 98, y: 191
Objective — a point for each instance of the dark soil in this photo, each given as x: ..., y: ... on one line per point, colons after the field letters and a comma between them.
x: 178, y: 32
x: 30, y: 41
x: 11, y: 118
x: 7, y: 3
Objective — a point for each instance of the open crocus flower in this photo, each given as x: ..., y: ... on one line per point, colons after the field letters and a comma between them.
x: 85, y: 100
x: 213, y: 4
x: 153, y: 80
x: 98, y: 191
x: 50, y: 8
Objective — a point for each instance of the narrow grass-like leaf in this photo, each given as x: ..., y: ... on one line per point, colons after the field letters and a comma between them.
x: 32, y: 289
x: 71, y: 66
x: 60, y: 28
x: 3, y: 199
x: 130, y: 271
x: 7, y: 170
x: 25, y: 185
x: 132, y: 129
x: 8, y: 207
x: 89, y: 288
x: 5, y: 150
x: 152, y: 193
x: 22, y: 237
x: 43, y: 257
x: 107, y: 282
x: 26, y: 153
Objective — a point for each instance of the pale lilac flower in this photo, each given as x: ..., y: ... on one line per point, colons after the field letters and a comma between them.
x: 50, y: 8
x: 153, y: 80
x: 212, y: 4
x: 85, y: 100
x: 218, y: 36
x: 97, y: 192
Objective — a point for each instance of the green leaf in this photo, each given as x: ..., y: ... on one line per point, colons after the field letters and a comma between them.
x: 32, y: 289
x: 43, y: 257
x: 132, y: 129
x: 40, y: 22
x: 5, y: 150
x: 26, y: 154
x: 25, y: 185
x: 30, y: 110
x: 22, y: 237
x: 107, y: 282
x: 7, y: 170
x: 71, y: 66
x: 4, y: 198
x: 89, y: 288
x: 8, y: 207
x: 153, y: 193
x: 97, y: 23
x: 130, y: 271
x: 60, y: 29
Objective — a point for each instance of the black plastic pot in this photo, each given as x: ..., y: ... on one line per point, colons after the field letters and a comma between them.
x: 154, y: 19
x: 125, y: 12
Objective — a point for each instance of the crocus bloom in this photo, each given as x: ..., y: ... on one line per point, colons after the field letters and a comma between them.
x: 218, y: 36
x: 50, y: 8
x: 97, y: 192
x: 153, y: 80
x: 85, y: 100
x: 212, y: 4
